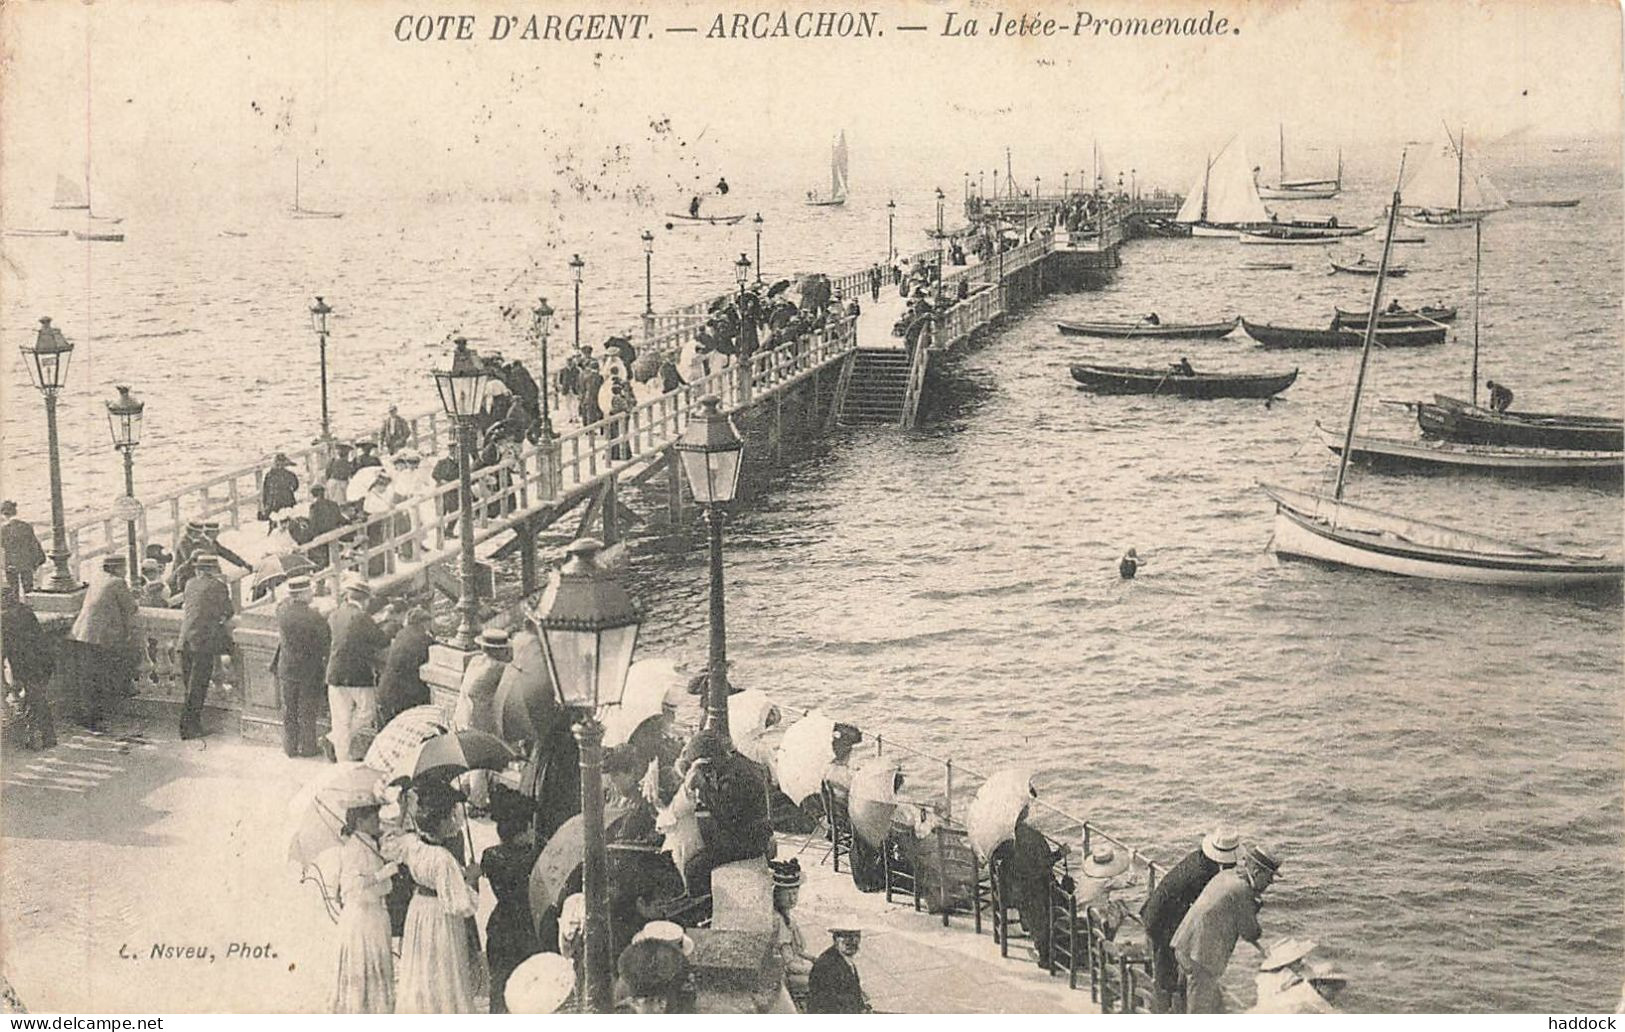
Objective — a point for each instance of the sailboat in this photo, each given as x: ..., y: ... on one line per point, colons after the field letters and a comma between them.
x: 1327, y: 529
x: 837, y: 177
x: 301, y: 212
x: 1300, y: 189
x: 1225, y: 200
x: 1467, y: 457
x: 1450, y: 191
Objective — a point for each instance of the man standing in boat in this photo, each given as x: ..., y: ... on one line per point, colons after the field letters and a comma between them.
x: 1500, y: 396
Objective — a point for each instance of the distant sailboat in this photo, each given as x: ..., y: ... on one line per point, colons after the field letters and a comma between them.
x: 1300, y: 189
x: 1225, y: 200
x: 837, y: 177
x: 300, y: 212
x: 69, y: 196
x: 1449, y: 191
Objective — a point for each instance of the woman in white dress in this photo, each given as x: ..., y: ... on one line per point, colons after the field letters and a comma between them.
x: 366, y: 971
x: 437, y: 967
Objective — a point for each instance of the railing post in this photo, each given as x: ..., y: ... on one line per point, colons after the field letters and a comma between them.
x: 948, y: 789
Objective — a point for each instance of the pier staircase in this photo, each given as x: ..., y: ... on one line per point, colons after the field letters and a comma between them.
x: 876, y: 390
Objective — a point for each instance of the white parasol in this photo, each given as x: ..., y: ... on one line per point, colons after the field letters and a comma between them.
x: 873, y: 799
x: 992, y: 816
x: 805, y: 753
x: 650, y: 685
x: 752, y: 716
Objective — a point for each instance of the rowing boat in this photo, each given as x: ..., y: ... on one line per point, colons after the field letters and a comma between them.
x: 1114, y: 379
x: 1558, y: 202
x: 1303, y: 337
x: 1261, y: 266
x: 715, y: 220
x: 1300, y: 239
x: 1351, y: 319
x: 1435, y: 455
x: 1455, y: 420
x: 1164, y: 331
x: 1365, y: 268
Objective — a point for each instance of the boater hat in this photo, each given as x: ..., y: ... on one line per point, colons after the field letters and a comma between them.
x: 206, y: 561
x: 298, y: 583
x: 786, y: 873
x: 668, y: 932
x: 1220, y: 845
x: 1263, y: 859
x: 1105, y: 862
x: 1285, y: 951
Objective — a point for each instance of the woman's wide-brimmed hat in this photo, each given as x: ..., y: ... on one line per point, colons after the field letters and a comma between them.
x: 1105, y: 862
x: 1220, y: 845
x: 541, y: 984
x: 1285, y: 951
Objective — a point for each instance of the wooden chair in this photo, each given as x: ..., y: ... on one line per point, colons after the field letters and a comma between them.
x: 901, y: 878
x: 964, y: 883
x: 1002, y: 908
x: 1068, y: 938
x: 838, y: 826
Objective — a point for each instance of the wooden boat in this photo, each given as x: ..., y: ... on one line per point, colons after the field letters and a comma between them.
x: 1272, y: 238
x: 714, y: 220
x: 110, y: 238
x: 1224, y: 201
x: 232, y: 233
x: 1362, y: 267
x: 837, y: 177
x: 1452, y: 419
x: 1286, y: 189
x: 1317, y: 226
x: 299, y: 211
x: 1444, y: 219
x: 1426, y: 455
x: 1427, y: 315
x: 1295, y: 337
x: 1327, y: 529
x: 1165, y: 331
x: 1449, y: 191
x: 1410, y: 239
x: 1557, y: 202
x: 36, y: 232
x: 1321, y: 529
x: 1265, y: 266
x: 1115, y: 379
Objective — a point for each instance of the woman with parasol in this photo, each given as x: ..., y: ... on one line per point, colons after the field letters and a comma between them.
x: 437, y: 973
x: 366, y: 969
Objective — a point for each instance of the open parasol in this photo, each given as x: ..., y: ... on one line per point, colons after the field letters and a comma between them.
x: 396, y: 745
x: 271, y: 572
x: 873, y: 799
x: 651, y: 684
x: 554, y: 872
x: 316, y: 811
x: 458, y: 752
x: 805, y: 752
x: 361, y: 481
x: 541, y: 984
x: 992, y: 815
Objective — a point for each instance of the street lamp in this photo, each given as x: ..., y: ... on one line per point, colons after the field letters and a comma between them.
x: 648, y: 273
x: 742, y: 272
x: 47, y: 363
x: 1036, y: 192
x: 542, y: 325
x: 758, y: 221
x: 462, y: 389
x: 1134, y: 182
x: 576, y: 265
x: 318, y: 322
x: 967, y: 186
x: 1119, y: 180
x: 891, y: 219
x: 939, y: 243
x: 589, y: 628
x: 712, y: 455
x: 124, y: 422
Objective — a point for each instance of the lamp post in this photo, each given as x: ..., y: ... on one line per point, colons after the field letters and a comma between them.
x: 891, y: 221
x: 1134, y: 182
x: 1036, y: 192
x: 1066, y: 184
x: 939, y: 244
x: 124, y: 422
x: 462, y: 389
x: 541, y: 321
x: 967, y: 186
x: 47, y: 363
x: 576, y: 265
x: 318, y: 322
x: 712, y: 455
x: 981, y: 184
x: 758, y: 221
x: 742, y: 272
x: 589, y: 629
x: 1119, y: 180
x: 648, y: 273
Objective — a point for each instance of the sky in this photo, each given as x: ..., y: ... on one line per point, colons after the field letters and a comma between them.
x: 192, y: 102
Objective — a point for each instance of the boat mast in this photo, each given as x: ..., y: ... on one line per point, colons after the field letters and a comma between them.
x: 1478, y: 267
x: 1206, y: 172
x: 1009, y: 176
x: 1280, y: 153
x: 1370, y: 336
x: 296, y: 183
x: 1461, y: 168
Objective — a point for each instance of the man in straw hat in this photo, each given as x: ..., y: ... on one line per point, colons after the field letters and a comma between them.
x: 476, y: 707
x: 395, y: 432
x: 205, y: 635
x: 301, y: 667
x: 352, y: 664
x: 109, y: 633
x: 1227, y: 910
x: 1168, y: 902
x: 834, y: 987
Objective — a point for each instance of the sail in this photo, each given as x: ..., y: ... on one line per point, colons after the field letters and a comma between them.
x: 1228, y: 190
x: 1443, y: 178
x: 837, y: 168
x: 69, y: 195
